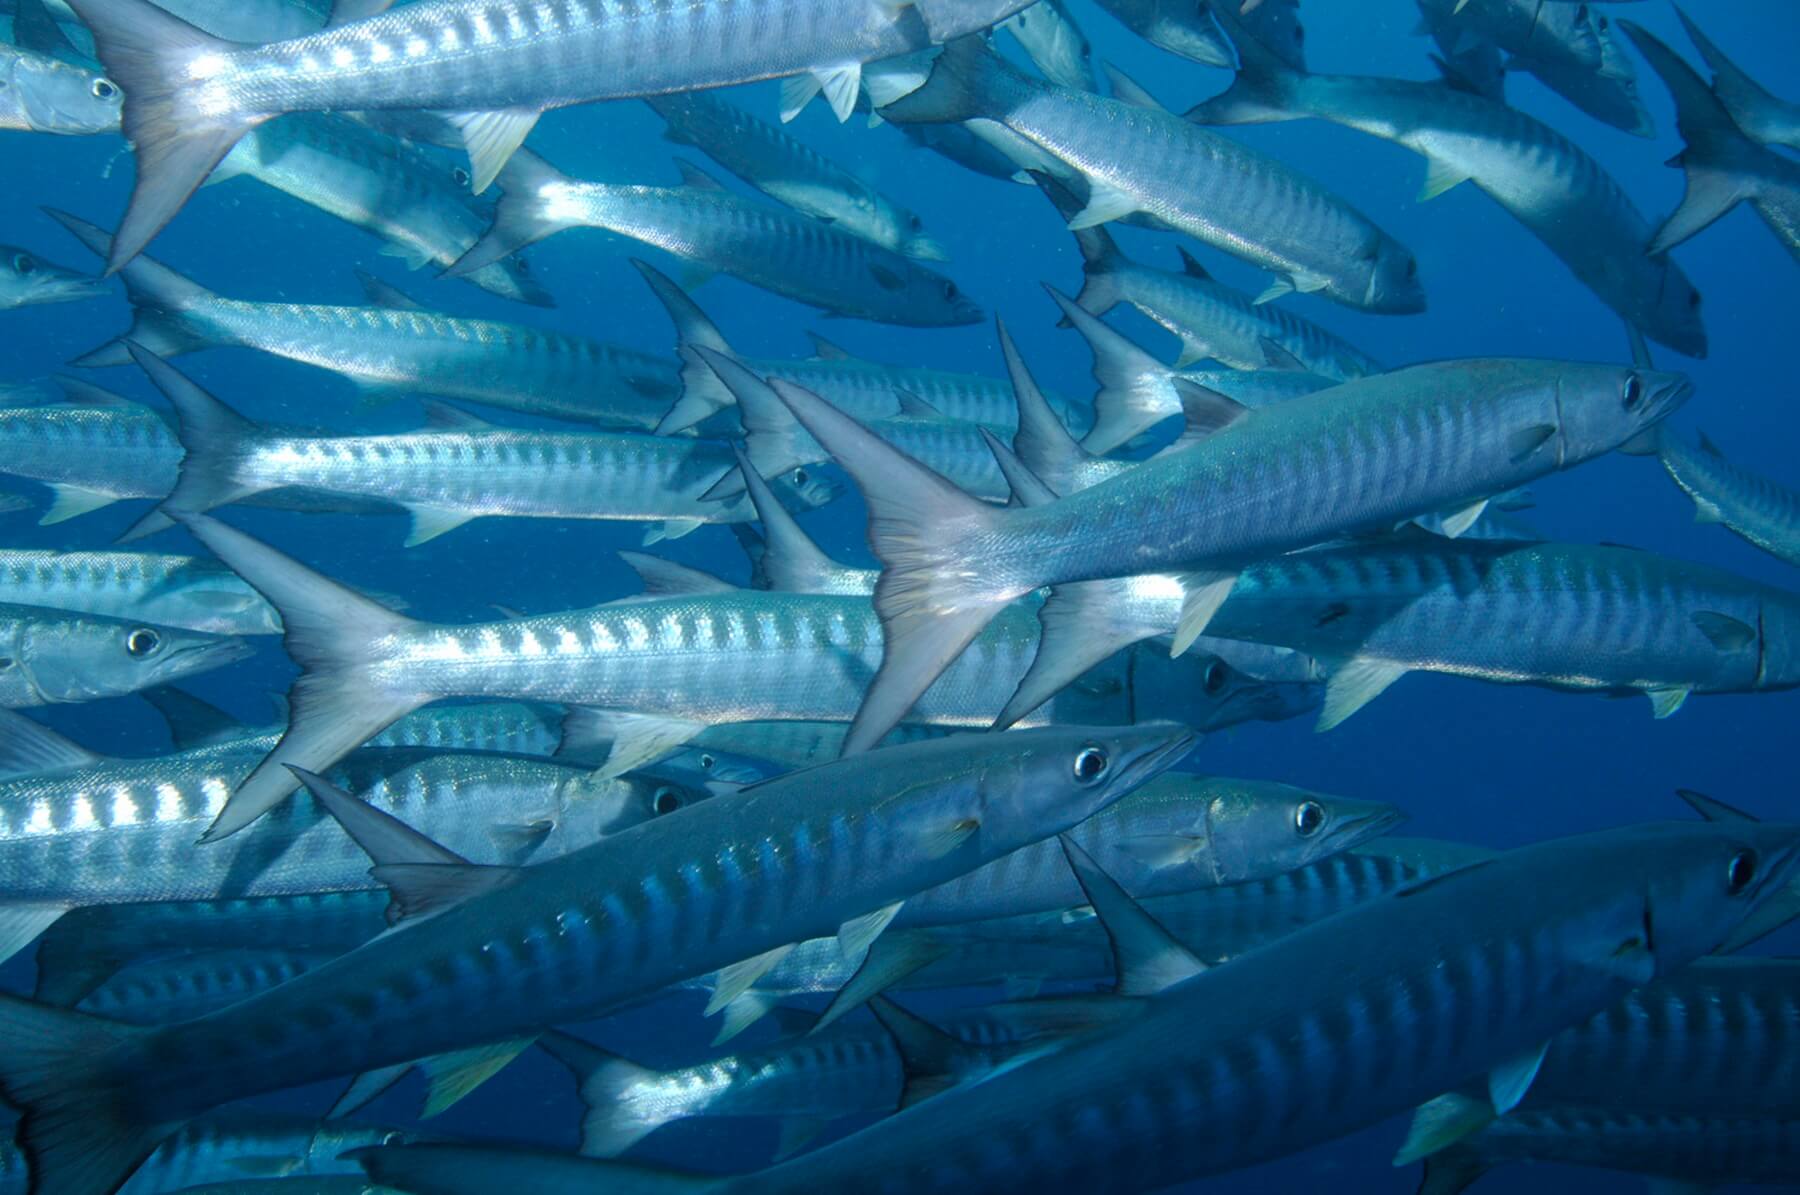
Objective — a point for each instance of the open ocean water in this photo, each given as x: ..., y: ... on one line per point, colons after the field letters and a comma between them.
x: 1488, y: 764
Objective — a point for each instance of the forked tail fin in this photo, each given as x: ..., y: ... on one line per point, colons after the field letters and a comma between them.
x: 1136, y: 390
x: 213, y: 438
x: 702, y: 391
x: 331, y: 633
x: 526, y: 212
x: 932, y: 598
x: 173, y: 116
x: 160, y: 299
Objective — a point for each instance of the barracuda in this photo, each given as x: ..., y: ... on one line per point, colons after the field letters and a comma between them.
x: 867, y: 389
x: 27, y: 280
x: 193, y: 985
x: 1177, y: 26
x: 41, y: 94
x: 788, y: 169
x: 48, y: 657
x: 193, y: 96
x: 1762, y: 511
x: 418, y: 204
x: 191, y: 592
x: 463, y: 469
x: 387, y: 350
x: 1761, y: 116
x: 780, y: 250
x: 574, y: 937
x: 1139, y: 160
x: 1401, y: 998
x: 1368, y: 453
x: 1543, y: 180
x: 1055, y: 44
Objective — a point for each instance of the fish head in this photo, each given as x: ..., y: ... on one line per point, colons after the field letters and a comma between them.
x: 933, y: 299
x: 511, y: 278
x: 1676, y: 318
x: 27, y: 280
x: 1021, y: 786
x: 1704, y: 880
x: 1394, y: 286
x: 808, y: 486
x: 81, y: 659
x: 1779, y: 632
x: 1182, y: 832
x: 1209, y: 693
x: 592, y: 806
x: 217, y: 603
x: 911, y: 239
x: 59, y: 97
x: 1597, y: 408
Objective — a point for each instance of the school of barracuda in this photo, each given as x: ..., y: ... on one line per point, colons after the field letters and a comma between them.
x: 793, y: 806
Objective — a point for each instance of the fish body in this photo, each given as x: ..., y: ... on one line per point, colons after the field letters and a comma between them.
x: 27, y: 280
x: 90, y: 455
x: 776, y: 248
x: 1563, y: 33
x: 1312, y: 1037
x: 793, y: 172
x: 1762, y: 116
x: 1545, y: 181
x: 48, y: 657
x: 1055, y: 44
x: 173, y: 591
x: 1763, y: 511
x: 1145, y: 161
x: 1189, y: 30
x: 571, y: 938
x: 41, y: 94
x: 192, y: 985
x: 418, y: 204
x: 387, y: 350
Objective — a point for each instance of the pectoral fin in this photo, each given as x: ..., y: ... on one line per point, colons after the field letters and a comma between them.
x: 1508, y: 1082
x: 1354, y: 685
x: 1665, y: 701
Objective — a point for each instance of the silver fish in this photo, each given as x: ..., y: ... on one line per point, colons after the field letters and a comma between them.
x: 389, y: 349
x: 951, y: 562
x: 1762, y: 511
x: 1563, y: 33
x: 503, y: 62
x: 1178, y: 26
x: 1723, y: 166
x: 1609, y: 94
x: 192, y: 985
x: 191, y: 592
x: 49, y: 657
x: 1759, y: 114
x: 1139, y: 160
x: 419, y: 205
x: 1321, y: 1033
x: 1055, y: 44
x: 27, y: 280
x: 1544, y: 180
x: 793, y: 172
x: 464, y: 469
x: 92, y: 451
x: 41, y: 94
x: 915, y: 816
x: 776, y: 248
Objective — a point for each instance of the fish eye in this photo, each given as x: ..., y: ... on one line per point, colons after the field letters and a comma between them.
x: 916, y: 224
x: 104, y: 89
x: 800, y: 477
x: 1634, y: 392
x: 1090, y: 764
x: 1740, y: 872
x: 6, y: 663
x: 950, y: 291
x: 1299, y: 35
x: 24, y: 263
x: 460, y: 176
x: 1412, y: 267
x: 1694, y: 300
x: 1309, y: 818
x: 142, y: 642
x: 707, y: 761
x: 394, y: 1138
x: 1213, y: 680
x: 523, y: 266
x: 665, y: 800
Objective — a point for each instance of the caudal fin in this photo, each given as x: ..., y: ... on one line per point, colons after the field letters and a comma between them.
x: 1101, y: 258
x: 1080, y: 624
x: 1136, y: 390
x: 81, y: 1135
x: 331, y: 632
x: 213, y: 439
x: 1719, y: 161
x: 525, y: 213
x: 958, y: 88
x: 702, y: 390
x: 773, y: 439
x: 173, y: 116
x: 1264, y: 90
x: 160, y: 299
x: 612, y: 1088
x: 933, y: 597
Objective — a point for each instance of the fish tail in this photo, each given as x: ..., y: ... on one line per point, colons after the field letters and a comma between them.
x: 160, y: 299
x: 930, y: 537
x: 959, y: 88
x: 613, y: 1121
x: 171, y: 114
x: 1136, y: 390
x: 80, y: 1133
x: 1080, y: 625
x: 213, y: 439
x: 773, y: 439
x: 525, y: 213
x: 1263, y: 92
x: 330, y: 632
x: 702, y: 391
x: 1101, y: 258
x: 1717, y: 158
x: 473, y: 1170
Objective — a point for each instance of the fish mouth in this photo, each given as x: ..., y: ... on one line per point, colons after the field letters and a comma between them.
x: 967, y: 313
x: 1156, y: 757
x: 1360, y: 828
x: 1668, y: 393
x: 204, y: 657
x: 70, y: 289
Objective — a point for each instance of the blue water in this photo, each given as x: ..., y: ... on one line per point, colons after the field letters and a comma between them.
x: 1495, y: 765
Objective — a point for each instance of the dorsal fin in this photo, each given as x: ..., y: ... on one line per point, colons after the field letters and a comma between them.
x: 665, y: 578
x: 931, y: 1059
x: 826, y: 350
x: 1127, y: 90
x: 693, y: 176
x: 82, y: 393
x: 914, y: 407
x: 343, y: 12
x: 28, y: 748
x: 1146, y: 957
x: 191, y: 721
x: 386, y: 294
x: 1278, y: 356
x: 447, y: 417
x: 1713, y: 809
x: 1043, y: 442
x: 1206, y: 411
x: 1191, y: 267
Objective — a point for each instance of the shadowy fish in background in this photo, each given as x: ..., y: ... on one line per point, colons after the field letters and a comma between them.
x: 1763, y: 511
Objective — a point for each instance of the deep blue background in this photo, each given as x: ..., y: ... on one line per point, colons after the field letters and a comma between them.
x: 1485, y: 763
